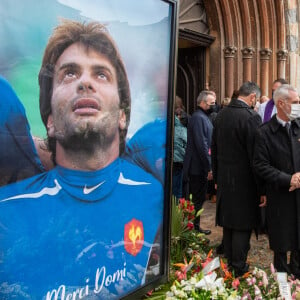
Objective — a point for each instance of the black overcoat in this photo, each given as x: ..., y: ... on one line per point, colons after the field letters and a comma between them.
x: 197, y: 159
x: 276, y: 158
x: 232, y: 153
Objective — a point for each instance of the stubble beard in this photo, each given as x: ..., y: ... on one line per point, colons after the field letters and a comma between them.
x: 86, y: 138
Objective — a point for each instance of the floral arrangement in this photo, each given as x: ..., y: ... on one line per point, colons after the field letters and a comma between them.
x: 183, y: 236
x: 200, y: 275
x: 187, y: 209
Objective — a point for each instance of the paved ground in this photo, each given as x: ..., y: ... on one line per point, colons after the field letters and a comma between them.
x: 259, y: 255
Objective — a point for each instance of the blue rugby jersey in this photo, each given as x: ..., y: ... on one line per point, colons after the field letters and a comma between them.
x: 68, y: 234
x: 18, y: 156
x: 147, y: 148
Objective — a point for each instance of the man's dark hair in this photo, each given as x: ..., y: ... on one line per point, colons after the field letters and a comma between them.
x: 281, y: 80
x: 235, y: 94
x: 248, y: 88
x: 93, y: 36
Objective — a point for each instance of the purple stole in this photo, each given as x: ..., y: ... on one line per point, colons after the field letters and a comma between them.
x: 268, y: 110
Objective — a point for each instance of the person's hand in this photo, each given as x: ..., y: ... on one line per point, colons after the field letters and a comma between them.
x: 295, y: 182
x: 294, y: 187
x: 210, y: 175
x: 216, y: 186
x: 263, y: 201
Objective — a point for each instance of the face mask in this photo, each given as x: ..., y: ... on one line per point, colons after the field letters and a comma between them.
x: 295, y: 112
x: 211, y: 109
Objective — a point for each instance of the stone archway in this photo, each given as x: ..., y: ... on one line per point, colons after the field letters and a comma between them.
x: 255, y: 40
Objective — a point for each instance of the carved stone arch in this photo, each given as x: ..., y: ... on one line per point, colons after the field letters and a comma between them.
x: 230, y: 15
x: 249, y: 47
x: 216, y: 63
x: 281, y: 47
x: 292, y: 15
x: 265, y: 36
x: 266, y: 17
x: 238, y: 42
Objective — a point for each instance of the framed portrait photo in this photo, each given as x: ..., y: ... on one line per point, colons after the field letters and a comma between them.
x: 86, y: 90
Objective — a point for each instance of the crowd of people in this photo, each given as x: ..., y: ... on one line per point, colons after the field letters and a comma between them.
x: 249, y: 149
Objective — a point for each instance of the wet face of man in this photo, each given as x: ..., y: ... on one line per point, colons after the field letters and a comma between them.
x: 85, y: 99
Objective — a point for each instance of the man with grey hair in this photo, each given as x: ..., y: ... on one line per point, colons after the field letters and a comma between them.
x: 237, y: 195
x: 277, y: 163
x: 197, y: 162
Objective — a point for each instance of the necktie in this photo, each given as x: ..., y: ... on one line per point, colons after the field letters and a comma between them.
x: 288, y: 129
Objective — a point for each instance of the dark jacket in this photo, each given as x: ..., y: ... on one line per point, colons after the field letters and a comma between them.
x: 276, y: 158
x: 197, y: 156
x: 232, y: 152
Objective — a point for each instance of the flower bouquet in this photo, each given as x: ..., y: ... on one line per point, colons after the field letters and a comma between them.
x: 196, y: 274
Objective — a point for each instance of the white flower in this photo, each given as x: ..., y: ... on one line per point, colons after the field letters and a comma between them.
x: 265, y: 280
x: 188, y: 288
x: 212, y: 284
x: 173, y: 288
x: 207, y: 281
x: 183, y: 282
x: 257, y: 290
x: 169, y: 294
x: 180, y: 294
x: 193, y: 280
x: 189, y: 251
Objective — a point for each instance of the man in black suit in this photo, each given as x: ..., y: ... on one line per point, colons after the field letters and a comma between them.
x: 277, y: 162
x: 197, y: 162
x: 237, y: 196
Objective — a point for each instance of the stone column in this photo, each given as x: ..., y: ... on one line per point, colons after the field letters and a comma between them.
x: 282, y: 55
x: 229, y: 54
x: 247, y: 57
x: 264, y: 59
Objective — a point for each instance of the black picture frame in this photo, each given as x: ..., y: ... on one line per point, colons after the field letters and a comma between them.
x: 152, y: 76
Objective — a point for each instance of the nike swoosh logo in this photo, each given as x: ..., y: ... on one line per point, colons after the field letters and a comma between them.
x: 88, y: 190
x: 51, y: 191
x: 126, y: 181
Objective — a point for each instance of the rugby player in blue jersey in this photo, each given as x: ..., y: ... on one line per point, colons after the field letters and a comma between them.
x: 86, y: 228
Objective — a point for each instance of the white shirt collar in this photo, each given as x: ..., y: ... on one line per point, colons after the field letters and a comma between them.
x: 283, y: 123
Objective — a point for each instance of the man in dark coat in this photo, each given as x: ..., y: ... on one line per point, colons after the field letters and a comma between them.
x: 197, y: 162
x: 237, y: 196
x: 277, y: 162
